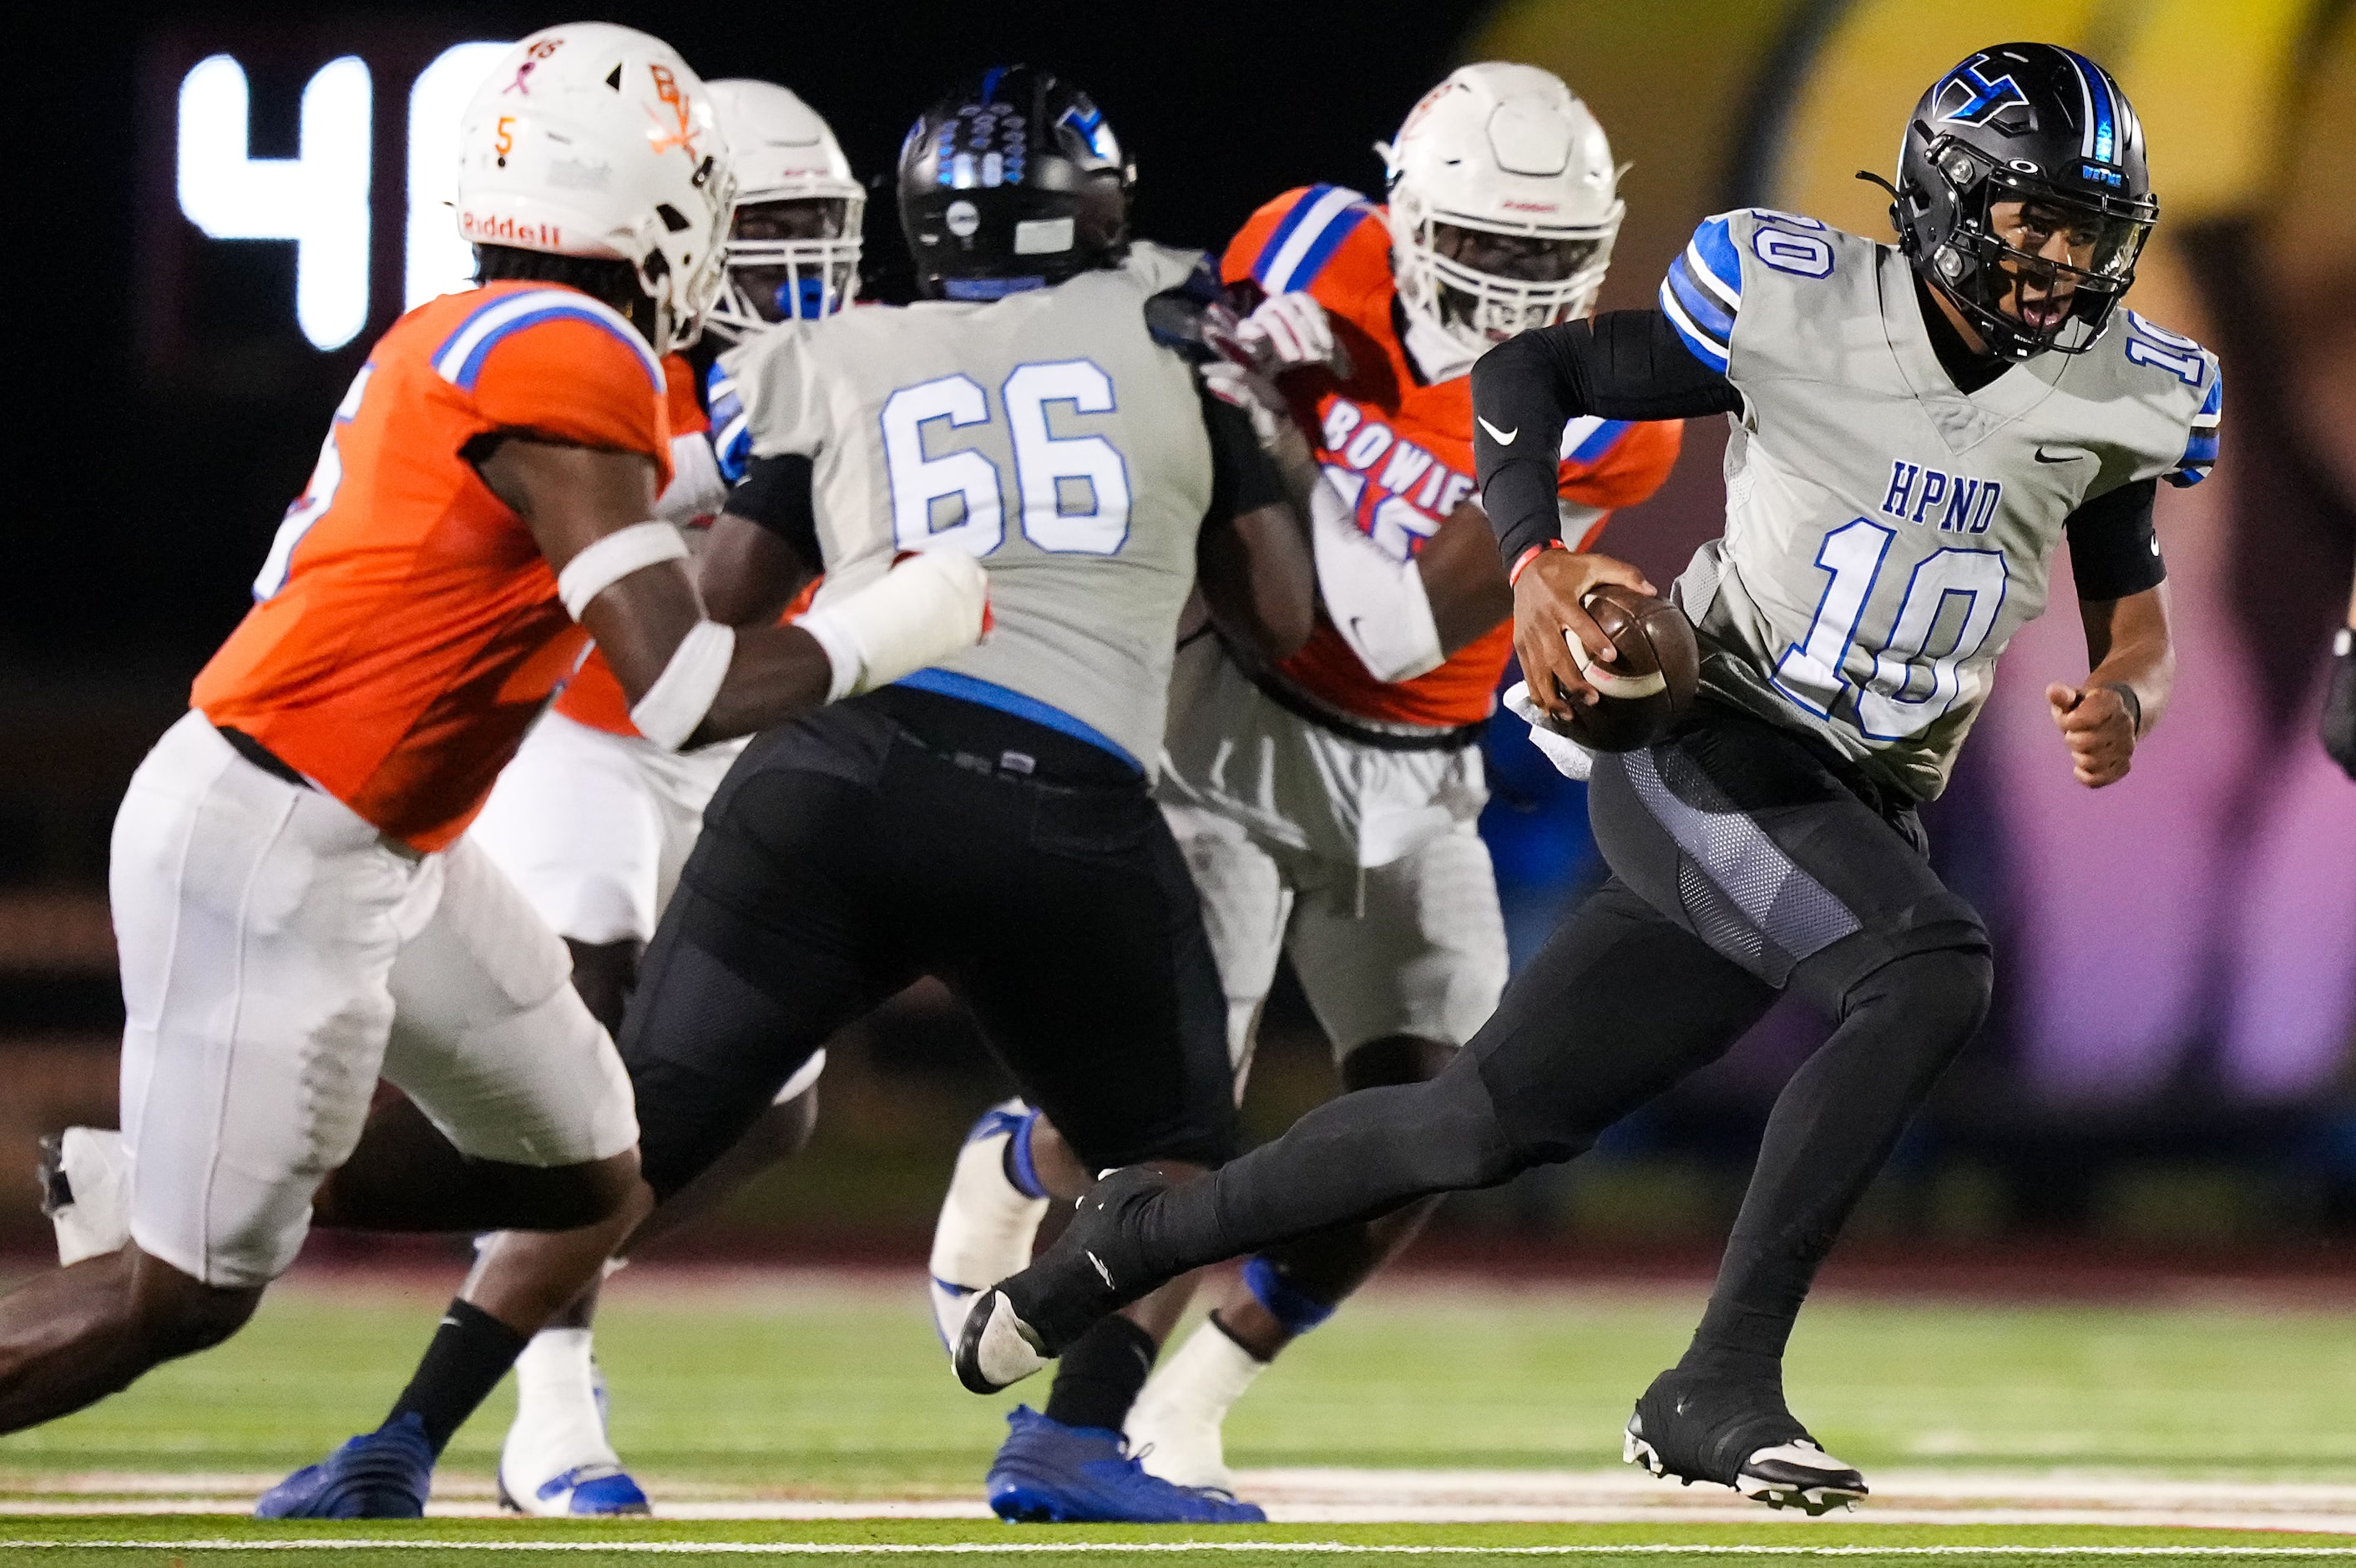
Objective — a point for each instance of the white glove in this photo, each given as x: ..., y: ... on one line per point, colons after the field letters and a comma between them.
x: 1570, y: 760
x: 1289, y: 332
x: 928, y: 605
x: 1271, y: 416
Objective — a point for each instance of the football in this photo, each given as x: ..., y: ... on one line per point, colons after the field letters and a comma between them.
x: 1649, y: 684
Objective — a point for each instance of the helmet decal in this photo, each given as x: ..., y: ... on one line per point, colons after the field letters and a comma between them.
x: 1970, y: 97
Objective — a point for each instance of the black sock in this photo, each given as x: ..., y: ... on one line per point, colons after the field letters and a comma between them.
x: 471, y: 1352
x: 1098, y: 1377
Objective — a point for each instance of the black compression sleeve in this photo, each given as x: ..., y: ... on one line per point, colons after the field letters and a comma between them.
x: 2113, y: 551
x: 1628, y: 364
x: 1244, y: 479
x: 776, y: 493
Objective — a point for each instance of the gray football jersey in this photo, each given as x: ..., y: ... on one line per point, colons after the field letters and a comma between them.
x: 1046, y: 433
x: 1886, y: 533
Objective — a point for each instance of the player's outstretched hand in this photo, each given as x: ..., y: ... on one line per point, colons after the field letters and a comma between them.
x: 1548, y: 613
x: 2099, y: 728
x: 1270, y: 415
x: 1289, y: 332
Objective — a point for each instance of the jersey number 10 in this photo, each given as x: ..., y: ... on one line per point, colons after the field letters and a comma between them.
x: 1908, y: 687
x: 1074, y: 488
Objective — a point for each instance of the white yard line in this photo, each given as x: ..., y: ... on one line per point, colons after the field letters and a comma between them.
x: 1174, y: 1547
x: 1372, y: 1496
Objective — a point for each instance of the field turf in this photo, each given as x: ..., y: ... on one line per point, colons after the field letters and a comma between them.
x: 824, y: 1387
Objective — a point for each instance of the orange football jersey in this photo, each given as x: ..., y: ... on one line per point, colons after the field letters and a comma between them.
x: 406, y: 629
x: 1400, y: 449
x: 593, y: 696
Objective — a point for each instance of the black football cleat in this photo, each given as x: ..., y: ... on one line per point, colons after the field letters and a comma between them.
x: 1025, y: 1320
x: 1739, y: 1434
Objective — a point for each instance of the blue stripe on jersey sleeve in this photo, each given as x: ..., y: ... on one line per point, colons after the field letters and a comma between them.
x: 1715, y: 247
x: 1320, y: 218
x: 732, y: 428
x: 1702, y: 308
x: 1599, y: 440
x: 493, y: 323
x: 1284, y: 228
x: 1708, y: 350
x: 2200, y: 444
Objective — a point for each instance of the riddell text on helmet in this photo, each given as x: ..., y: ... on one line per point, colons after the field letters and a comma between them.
x: 492, y: 227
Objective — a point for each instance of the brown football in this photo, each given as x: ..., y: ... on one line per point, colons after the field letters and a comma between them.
x: 1651, y: 682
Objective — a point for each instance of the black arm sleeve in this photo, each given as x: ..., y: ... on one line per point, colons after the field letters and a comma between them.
x: 1628, y: 364
x: 1244, y: 479
x: 776, y: 493
x: 2113, y: 551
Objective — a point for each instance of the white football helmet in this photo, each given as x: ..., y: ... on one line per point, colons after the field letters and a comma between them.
x: 1502, y: 150
x: 594, y: 140
x: 784, y: 152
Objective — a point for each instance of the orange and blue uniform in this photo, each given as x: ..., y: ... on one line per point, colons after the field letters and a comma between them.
x: 1401, y: 449
x: 407, y: 629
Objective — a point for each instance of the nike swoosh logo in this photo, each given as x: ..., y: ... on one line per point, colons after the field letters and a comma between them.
x: 1098, y: 1263
x: 1503, y: 438
x: 2061, y: 458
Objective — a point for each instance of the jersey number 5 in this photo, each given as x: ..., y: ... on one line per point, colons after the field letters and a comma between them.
x: 316, y: 497
x: 1074, y: 489
x: 1906, y: 687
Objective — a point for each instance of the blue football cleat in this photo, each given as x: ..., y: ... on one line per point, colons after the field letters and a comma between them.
x: 384, y: 1473
x: 1049, y: 1473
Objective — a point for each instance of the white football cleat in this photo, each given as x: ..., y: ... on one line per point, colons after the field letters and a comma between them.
x: 557, y: 1461
x: 1174, y: 1427
x: 986, y: 1225
x: 86, y: 1192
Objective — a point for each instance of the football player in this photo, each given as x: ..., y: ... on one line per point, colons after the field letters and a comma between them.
x: 591, y: 820
x: 297, y: 910
x: 987, y: 820
x: 1328, y: 804
x: 1915, y: 428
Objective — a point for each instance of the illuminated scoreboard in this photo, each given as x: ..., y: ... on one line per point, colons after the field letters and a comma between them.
x: 342, y: 153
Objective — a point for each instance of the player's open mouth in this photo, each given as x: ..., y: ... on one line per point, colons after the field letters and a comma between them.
x: 2042, y: 312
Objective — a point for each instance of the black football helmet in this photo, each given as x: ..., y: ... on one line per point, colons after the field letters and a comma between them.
x: 2022, y: 172
x: 1014, y: 182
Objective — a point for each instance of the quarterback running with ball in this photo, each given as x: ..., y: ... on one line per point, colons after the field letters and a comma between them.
x: 1916, y: 428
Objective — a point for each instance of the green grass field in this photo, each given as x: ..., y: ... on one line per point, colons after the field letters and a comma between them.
x: 817, y: 1387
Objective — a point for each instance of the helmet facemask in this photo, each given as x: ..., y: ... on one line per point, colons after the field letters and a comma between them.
x: 2032, y: 266
x: 1483, y: 284
x: 791, y: 259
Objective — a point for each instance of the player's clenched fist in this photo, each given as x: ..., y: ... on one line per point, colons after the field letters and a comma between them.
x: 2098, y: 723
x: 1548, y: 588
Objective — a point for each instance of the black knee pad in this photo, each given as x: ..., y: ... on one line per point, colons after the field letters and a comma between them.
x: 1943, y: 992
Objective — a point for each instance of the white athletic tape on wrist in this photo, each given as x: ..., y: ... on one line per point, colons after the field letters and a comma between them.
x: 609, y: 560
x: 925, y: 608
x: 682, y: 693
x: 1374, y: 600
x: 696, y: 489
x: 1570, y: 760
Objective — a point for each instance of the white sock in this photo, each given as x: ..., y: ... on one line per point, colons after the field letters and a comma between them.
x: 1206, y: 1377
x: 556, y: 1381
x: 1174, y: 1429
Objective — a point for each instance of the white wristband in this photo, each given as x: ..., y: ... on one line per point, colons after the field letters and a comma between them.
x: 842, y: 655
x: 1374, y: 600
x: 684, y: 692
x: 614, y: 557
